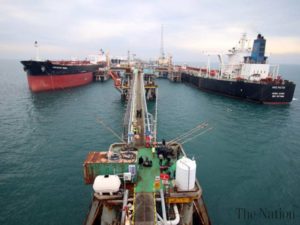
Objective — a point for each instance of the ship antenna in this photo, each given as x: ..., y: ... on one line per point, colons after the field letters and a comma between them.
x: 243, y: 41
x: 37, y: 53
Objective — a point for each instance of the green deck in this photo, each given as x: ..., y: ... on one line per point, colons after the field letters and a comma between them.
x: 146, y: 175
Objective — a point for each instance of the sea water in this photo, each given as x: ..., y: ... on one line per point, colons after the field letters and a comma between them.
x: 248, y: 164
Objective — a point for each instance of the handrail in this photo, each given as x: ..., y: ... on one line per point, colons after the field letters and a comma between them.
x: 155, y: 118
x: 132, y: 107
x: 145, y: 104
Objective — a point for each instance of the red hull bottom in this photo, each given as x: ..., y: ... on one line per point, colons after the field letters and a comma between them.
x: 55, y: 82
x: 276, y: 103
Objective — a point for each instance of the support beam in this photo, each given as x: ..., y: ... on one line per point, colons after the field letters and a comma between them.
x: 125, y: 200
x: 163, y: 206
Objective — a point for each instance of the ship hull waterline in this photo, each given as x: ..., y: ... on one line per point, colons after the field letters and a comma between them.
x: 272, y: 94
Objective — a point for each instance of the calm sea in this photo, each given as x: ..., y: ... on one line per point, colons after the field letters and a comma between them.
x: 248, y: 163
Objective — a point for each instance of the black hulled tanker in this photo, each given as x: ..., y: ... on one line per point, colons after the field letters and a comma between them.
x: 246, y: 75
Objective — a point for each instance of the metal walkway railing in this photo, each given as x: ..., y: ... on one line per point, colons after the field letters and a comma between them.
x: 139, y: 125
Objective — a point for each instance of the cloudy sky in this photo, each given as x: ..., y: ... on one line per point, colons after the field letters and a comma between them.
x: 78, y: 28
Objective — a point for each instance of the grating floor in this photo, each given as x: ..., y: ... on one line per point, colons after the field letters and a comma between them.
x: 144, y: 209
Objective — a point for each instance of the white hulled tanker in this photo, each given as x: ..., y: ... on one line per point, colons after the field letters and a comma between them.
x: 246, y: 75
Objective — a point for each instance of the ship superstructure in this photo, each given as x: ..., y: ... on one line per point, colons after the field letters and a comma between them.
x: 244, y: 63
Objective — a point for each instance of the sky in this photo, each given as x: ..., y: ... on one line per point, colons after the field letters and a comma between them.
x: 77, y: 28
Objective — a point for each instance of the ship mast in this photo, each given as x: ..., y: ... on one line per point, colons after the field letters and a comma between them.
x: 107, y: 59
x: 128, y: 58
x: 243, y: 41
x: 37, y: 52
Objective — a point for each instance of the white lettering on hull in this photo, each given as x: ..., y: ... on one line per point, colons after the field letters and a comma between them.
x: 278, y: 87
x: 60, y: 67
x: 278, y: 94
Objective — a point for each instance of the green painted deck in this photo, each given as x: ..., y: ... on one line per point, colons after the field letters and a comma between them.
x: 146, y: 175
x: 144, y: 200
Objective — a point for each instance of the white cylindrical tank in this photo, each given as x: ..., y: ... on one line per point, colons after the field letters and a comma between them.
x: 185, y: 174
x: 106, y: 184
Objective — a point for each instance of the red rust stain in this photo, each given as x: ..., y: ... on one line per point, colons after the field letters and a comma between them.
x: 95, y: 157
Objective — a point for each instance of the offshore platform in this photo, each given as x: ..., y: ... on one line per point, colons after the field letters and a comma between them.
x: 139, y: 180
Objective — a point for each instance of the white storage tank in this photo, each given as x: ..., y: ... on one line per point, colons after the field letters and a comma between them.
x: 106, y: 184
x: 185, y: 174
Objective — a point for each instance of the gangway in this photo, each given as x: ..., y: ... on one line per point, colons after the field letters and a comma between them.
x: 140, y: 135
x: 145, y: 173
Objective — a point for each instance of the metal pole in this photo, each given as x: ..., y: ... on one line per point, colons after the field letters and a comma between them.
x: 37, y: 53
x: 163, y: 206
x: 125, y: 200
